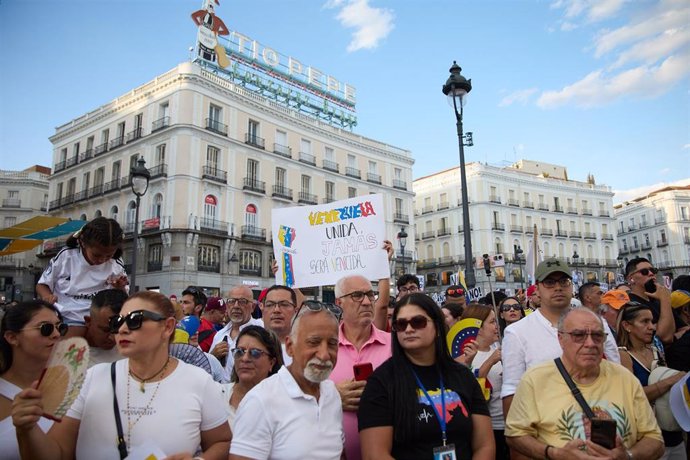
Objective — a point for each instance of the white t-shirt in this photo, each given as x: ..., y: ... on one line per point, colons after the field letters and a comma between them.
x: 277, y: 420
x: 186, y: 403
x: 74, y: 282
x: 99, y: 355
x: 495, y: 377
x: 9, y: 450
x: 225, y: 332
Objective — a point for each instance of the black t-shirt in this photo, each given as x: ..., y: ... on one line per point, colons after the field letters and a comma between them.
x: 655, y: 306
x: 463, y: 398
x: 678, y: 353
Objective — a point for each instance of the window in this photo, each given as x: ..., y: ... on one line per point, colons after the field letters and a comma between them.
x: 635, y: 243
x: 63, y: 155
x: 280, y: 177
x: 157, y: 206
x: 398, y: 206
x: 329, y: 153
x: 115, y: 174
x: 281, y: 138
x: 212, y: 158
x: 305, y: 146
x: 138, y: 120
x: 89, y: 143
x: 163, y: 110
x: 351, y: 161
x: 646, y: 239
x: 120, y: 130
x: 160, y: 154
x: 113, y: 212
x: 684, y: 212
x: 253, y: 131
x: 252, y: 169
x: 215, y: 114
x: 131, y: 213
x: 250, y: 262
x: 71, y: 186
x: 443, y: 224
x: 210, y: 206
x: 10, y: 221
x: 351, y: 192
x: 209, y: 258
x: 643, y: 220
x: 133, y: 161
x: 86, y: 181
x: 662, y: 233
x: 373, y: 167
x: 13, y: 194
x: 330, y: 191
x: 75, y: 149
x: 513, y: 219
x: 105, y: 136
x: 250, y: 216
x: 306, y: 184
x: 155, y: 257
x: 492, y: 193
x: 99, y: 177
x: 625, y: 244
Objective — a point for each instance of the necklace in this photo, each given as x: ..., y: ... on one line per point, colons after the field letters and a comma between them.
x: 142, y: 412
x: 142, y: 381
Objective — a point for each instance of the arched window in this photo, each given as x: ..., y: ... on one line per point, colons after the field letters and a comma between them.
x: 498, y: 245
x: 157, y: 205
x: 649, y: 258
x: 98, y: 213
x: 547, y: 249
x: 131, y: 215
x: 561, y: 250
x: 82, y: 217
x: 113, y: 212
x: 590, y: 251
x: 250, y: 216
x: 250, y: 262
x: 430, y: 252
x: 607, y: 253
x: 210, y: 206
x: 446, y: 249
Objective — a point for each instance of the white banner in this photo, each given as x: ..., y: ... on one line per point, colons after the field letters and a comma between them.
x: 318, y: 245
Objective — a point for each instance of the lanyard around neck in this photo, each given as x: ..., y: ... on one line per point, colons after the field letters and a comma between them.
x: 442, y: 416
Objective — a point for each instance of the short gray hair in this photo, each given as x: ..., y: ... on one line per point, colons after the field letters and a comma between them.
x: 340, y: 284
x: 294, y: 327
x: 567, y: 313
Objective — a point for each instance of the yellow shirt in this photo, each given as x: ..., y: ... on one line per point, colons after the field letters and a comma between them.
x: 543, y: 406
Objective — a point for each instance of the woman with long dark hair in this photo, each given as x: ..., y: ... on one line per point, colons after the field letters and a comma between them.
x: 28, y: 332
x: 420, y: 403
x: 510, y: 311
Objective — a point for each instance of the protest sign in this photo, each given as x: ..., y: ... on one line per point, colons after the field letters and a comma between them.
x: 318, y: 245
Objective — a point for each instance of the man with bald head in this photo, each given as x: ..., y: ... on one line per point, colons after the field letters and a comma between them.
x: 239, y: 307
x: 545, y: 419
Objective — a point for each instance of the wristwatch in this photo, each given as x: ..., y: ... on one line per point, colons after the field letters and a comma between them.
x: 628, y: 452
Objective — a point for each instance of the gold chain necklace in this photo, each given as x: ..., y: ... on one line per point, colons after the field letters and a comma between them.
x: 144, y: 411
x: 143, y: 381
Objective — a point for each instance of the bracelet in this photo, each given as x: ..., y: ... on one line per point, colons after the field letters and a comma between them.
x: 546, y: 451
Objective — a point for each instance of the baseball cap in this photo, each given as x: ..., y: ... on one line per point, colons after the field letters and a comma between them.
x: 679, y: 298
x: 615, y: 298
x: 455, y: 291
x: 215, y: 303
x: 531, y: 290
x: 550, y: 266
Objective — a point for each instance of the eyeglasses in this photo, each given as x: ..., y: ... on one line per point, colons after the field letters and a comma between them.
x: 240, y: 301
x: 646, y: 271
x: 254, y: 353
x: 358, y: 296
x: 315, y: 305
x: 550, y: 282
x: 579, y: 336
x: 282, y: 304
x: 134, y: 320
x: 46, y: 329
x: 405, y: 290
x: 417, y: 322
x: 455, y: 292
x: 507, y: 307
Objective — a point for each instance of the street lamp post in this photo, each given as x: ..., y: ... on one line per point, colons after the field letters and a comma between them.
x: 456, y: 88
x: 518, y: 258
x: 402, y: 240
x: 139, y: 180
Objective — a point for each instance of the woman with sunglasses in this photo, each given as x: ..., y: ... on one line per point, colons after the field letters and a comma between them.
x: 28, y: 332
x: 510, y: 311
x: 258, y: 355
x: 640, y: 355
x: 420, y: 403
x: 163, y: 404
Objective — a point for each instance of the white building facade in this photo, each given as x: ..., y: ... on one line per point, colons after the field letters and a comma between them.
x: 574, y: 221
x: 221, y: 157
x: 24, y: 195
x: 657, y: 227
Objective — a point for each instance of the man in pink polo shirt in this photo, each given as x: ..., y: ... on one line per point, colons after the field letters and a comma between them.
x: 359, y: 343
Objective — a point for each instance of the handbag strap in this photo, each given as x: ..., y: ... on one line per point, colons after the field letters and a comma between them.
x: 574, y: 389
x: 121, y: 444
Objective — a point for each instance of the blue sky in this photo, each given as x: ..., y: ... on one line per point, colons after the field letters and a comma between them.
x: 601, y: 87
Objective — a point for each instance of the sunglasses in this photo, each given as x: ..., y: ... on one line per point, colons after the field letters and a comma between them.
x: 417, y: 322
x: 455, y: 292
x: 315, y: 306
x: 134, y: 320
x: 46, y: 329
x: 515, y: 307
x: 254, y: 353
x: 550, y: 282
x: 579, y: 336
x: 241, y: 302
x: 358, y: 296
x: 646, y: 271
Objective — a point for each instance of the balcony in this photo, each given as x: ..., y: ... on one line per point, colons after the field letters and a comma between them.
x: 255, y: 141
x: 592, y: 262
x: 516, y: 229
x: 429, y: 234
x: 528, y: 204
x: 460, y: 228
x: 112, y: 185
x: 498, y: 226
x: 214, y: 174
x: 543, y: 207
x: 117, y: 142
x: 612, y: 263
x: 282, y: 192
x: 209, y: 267
x: 399, y: 184
x: 210, y: 225
x: 86, y: 155
x: 590, y: 236
x: 557, y: 208
x: 161, y: 123
x: 445, y: 261
x: 307, y: 198
x: 353, y: 172
x: 252, y: 184
x: 374, y: 178
x: 634, y: 248
x: 646, y: 245
x: 513, y: 202
x: 427, y: 209
x: 623, y: 251
x: 12, y: 203
x: 71, y: 161
x: 495, y: 199
x: 427, y: 263
x: 686, y: 239
x: 660, y: 220
x: 529, y: 230
x: 607, y: 237
x: 586, y: 211
x: 401, y: 218
x: 126, y: 182
x: 561, y: 234
x: 443, y: 205
x: 282, y: 150
x: 572, y: 210
x: 59, y: 166
x: 252, y: 232
x: 81, y: 196
x: 134, y: 135
x: 67, y: 199
x: 216, y: 127
x: 307, y: 158
x: 604, y: 213
x: 100, y: 149
x: 328, y: 199
x: 443, y: 232
x: 160, y: 170
x: 44, y: 206
x: 546, y: 232
x: 575, y: 234
x: 251, y: 271
x: 661, y: 243
x: 331, y: 166
x: 95, y: 190
x: 154, y: 266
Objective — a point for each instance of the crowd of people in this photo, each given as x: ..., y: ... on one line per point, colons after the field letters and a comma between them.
x: 369, y: 376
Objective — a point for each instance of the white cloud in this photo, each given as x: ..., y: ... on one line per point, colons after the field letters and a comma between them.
x: 686, y: 146
x: 592, y: 10
x: 521, y: 96
x: 620, y: 196
x: 370, y: 24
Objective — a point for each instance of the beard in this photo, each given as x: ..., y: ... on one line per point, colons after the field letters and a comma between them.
x: 315, y: 375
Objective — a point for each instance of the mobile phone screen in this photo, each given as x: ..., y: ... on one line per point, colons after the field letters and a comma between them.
x: 604, y: 433
x: 362, y: 371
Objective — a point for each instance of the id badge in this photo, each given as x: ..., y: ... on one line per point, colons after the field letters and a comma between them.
x: 446, y: 452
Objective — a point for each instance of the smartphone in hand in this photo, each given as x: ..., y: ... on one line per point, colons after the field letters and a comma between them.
x: 650, y: 286
x: 604, y: 432
x: 362, y: 371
